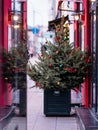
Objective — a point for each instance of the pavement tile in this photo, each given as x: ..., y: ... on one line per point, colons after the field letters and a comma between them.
x: 19, y: 122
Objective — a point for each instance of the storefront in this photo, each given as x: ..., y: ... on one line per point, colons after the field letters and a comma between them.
x: 7, y: 37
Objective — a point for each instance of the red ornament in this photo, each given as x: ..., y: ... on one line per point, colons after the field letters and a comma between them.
x: 50, y: 65
x: 57, y: 38
x: 36, y: 84
x: 46, y: 42
x: 49, y: 57
x: 69, y: 69
x: 88, y: 60
x: 74, y: 71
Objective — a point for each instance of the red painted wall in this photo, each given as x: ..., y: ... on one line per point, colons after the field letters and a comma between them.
x: 4, y: 6
x: 87, y: 46
x: 87, y: 41
x: 7, y: 6
x: 7, y: 87
x: 1, y: 44
x: 25, y: 15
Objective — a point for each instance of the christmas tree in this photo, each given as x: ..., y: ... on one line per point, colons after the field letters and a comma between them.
x: 60, y: 66
x: 14, y: 65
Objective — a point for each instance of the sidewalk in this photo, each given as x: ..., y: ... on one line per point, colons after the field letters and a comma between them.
x: 36, y: 120
x: 16, y: 123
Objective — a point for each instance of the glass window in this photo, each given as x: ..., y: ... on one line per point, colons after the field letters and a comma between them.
x: 94, y: 65
x: 16, y: 6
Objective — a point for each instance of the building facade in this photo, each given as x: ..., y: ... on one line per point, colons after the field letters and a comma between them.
x: 7, y: 39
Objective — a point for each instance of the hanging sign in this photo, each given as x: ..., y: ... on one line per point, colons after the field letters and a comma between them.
x: 51, y: 24
x: 35, y: 30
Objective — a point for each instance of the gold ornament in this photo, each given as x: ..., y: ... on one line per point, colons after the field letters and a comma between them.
x: 58, y: 83
x: 83, y: 78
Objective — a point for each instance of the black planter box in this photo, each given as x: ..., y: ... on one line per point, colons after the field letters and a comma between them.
x: 57, y: 103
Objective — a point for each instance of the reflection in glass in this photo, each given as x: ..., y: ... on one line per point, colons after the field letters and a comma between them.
x: 94, y: 61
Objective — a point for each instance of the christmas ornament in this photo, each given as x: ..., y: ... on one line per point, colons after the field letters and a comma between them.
x: 50, y: 65
x: 57, y: 52
x: 65, y: 38
x: 49, y: 57
x: 58, y: 83
x: 36, y: 84
x: 57, y: 39
x: 46, y: 42
x: 88, y: 60
x: 83, y: 78
x: 61, y: 65
x: 75, y: 71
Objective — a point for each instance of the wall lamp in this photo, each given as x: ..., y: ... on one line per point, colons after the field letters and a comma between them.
x: 76, y: 13
x: 15, y: 17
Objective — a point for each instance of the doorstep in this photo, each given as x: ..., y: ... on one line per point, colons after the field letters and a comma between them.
x: 85, y: 119
x: 5, y: 116
x: 3, y: 112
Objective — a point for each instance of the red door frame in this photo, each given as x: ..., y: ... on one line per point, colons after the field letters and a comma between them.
x: 5, y: 5
x: 76, y: 26
x: 87, y: 46
x: 87, y: 43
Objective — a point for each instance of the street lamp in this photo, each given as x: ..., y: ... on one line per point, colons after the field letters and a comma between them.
x: 76, y: 17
